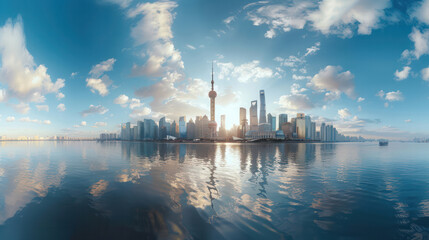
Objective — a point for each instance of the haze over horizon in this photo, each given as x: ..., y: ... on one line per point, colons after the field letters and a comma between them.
x: 82, y: 67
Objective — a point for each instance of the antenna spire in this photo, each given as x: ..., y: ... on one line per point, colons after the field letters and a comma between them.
x: 212, y: 77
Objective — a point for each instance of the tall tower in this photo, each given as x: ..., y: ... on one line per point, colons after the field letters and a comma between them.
x: 212, y: 96
x: 253, y: 112
x: 262, y: 112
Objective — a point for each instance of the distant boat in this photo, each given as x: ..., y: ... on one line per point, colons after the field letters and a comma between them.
x: 383, y: 143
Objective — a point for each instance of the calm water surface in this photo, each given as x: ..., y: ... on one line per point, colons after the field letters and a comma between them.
x: 115, y: 190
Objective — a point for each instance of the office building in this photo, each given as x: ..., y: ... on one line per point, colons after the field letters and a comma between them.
x: 190, y: 129
x: 253, y: 112
x: 282, y: 119
x: 182, y: 127
x: 262, y: 111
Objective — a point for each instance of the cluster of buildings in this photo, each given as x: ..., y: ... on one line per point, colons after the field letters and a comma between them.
x: 251, y: 127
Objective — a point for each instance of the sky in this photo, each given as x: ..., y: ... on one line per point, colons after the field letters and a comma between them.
x: 82, y: 67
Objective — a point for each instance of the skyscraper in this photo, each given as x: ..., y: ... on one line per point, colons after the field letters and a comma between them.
x: 190, y: 129
x: 182, y: 127
x: 212, y: 96
x: 253, y: 112
x: 272, y: 121
x: 222, y: 129
x: 307, y: 127
x: 282, y: 119
x: 243, y: 122
x: 150, y: 128
x: 300, y: 125
x: 140, y: 126
x: 323, y: 132
x: 262, y: 111
x: 162, y: 128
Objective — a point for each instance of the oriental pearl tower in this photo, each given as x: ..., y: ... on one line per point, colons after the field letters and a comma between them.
x: 212, y: 122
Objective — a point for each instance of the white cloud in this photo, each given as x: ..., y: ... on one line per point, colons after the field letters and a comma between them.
x: 291, y: 61
x: 421, y: 11
x: 10, y: 119
x: 121, y: 3
x: 401, y: 75
x: 73, y: 74
x: 140, y: 112
x: 298, y: 77
x: 122, y: 100
x: 228, y: 97
x: 295, y: 102
x: 360, y: 99
x: 61, y: 107
x: 94, y: 110
x: 42, y: 108
x: 335, y: 82
x: 246, y: 72
x: 425, y: 74
x: 313, y: 49
x: 394, y: 96
x: 296, y: 89
x: 101, y: 68
x: 380, y: 94
x: 421, y: 44
x: 328, y: 16
x: 29, y: 120
x: 408, y: 121
x: 60, y: 95
x: 97, y: 84
x: 191, y: 47
x: 135, y: 103
x: 83, y: 123
x: 338, y: 16
x: 22, y: 108
x: 229, y: 19
x: 154, y: 30
x: 344, y: 113
x: 100, y: 124
x: 25, y: 80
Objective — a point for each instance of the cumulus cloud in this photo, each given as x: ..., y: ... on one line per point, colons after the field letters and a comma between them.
x: 135, y: 103
x: 42, y: 108
x: 401, y: 75
x: 122, y: 100
x: 295, y: 102
x: 60, y: 96
x: 99, y: 81
x: 360, y: 99
x: 172, y: 100
x: 421, y: 44
x: 344, y: 113
x: 94, y: 110
x: 246, y: 72
x: 154, y: 30
x: 298, y: 77
x: 327, y: 16
x: 61, y: 107
x: 22, y: 108
x: 101, y: 68
x: 10, y: 119
x: 421, y: 11
x: 140, y: 112
x: 394, y: 96
x: 26, y: 81
x: 334, y: 81
x: 83, y: 123
x: 425, y: 74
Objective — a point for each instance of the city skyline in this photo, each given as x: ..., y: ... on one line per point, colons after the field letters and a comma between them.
x: 365, y: 71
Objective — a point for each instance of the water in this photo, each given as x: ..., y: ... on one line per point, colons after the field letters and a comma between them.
x: 114, y: 190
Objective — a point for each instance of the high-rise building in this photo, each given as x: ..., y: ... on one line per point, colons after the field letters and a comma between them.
x: 150, y: 128
x: 205, y: 130
x: 182, y: 127
x: 323, y: 132
x: 190, y: 129
x: 262, y: 111
x: 313, y: 131
x: 307, y: 127
x: 300, y: 126
x: 282, y: 119
x: 222, y: 129
x: 174, y: 129
x: 162, y: 128
x: 272, y: 121
x: 253, y: 112
x: 140, y: 126
x: 212, y: 96
x: 198, y: 127
x: 242, y: 123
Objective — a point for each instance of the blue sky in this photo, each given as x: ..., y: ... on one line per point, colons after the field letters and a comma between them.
x: 82, y: 67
